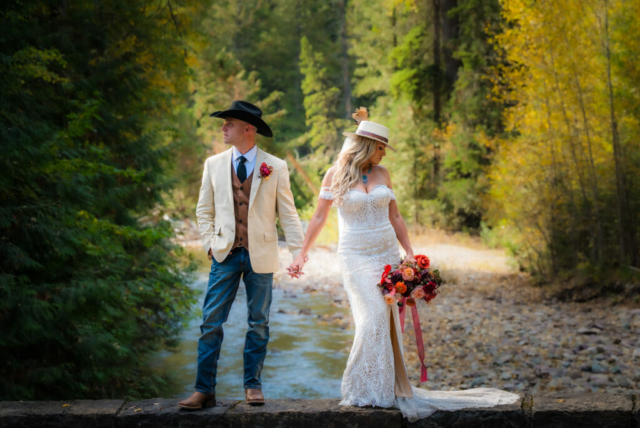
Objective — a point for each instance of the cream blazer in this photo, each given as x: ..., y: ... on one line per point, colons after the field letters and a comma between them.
x: 216, y: 218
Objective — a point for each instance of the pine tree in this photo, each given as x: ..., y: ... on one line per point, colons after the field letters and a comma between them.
x: 90, y: 284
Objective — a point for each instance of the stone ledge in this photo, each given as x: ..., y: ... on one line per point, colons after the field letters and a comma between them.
x: 551, y: 410
x: 597, y: 410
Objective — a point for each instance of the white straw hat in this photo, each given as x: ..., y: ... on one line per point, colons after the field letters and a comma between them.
x: 368, y: 129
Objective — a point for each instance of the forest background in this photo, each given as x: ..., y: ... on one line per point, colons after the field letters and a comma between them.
x: 515, y: 120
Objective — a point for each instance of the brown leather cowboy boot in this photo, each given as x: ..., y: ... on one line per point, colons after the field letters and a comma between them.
x: 198, y: 401
x: 254, y: 396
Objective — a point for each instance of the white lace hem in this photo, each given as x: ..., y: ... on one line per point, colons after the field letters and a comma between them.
x: 373, y: 403
x: 425, y: 403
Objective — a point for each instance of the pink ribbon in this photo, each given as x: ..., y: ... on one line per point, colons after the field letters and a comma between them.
x: 418, y: 331
x: 402, y: 313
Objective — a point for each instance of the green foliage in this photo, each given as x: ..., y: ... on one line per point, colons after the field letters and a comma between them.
x: 90, y: 284
x: 514, y: 120
x: 320, y: 99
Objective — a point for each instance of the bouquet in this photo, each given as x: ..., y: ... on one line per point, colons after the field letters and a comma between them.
x: 410, y: 281
x: 405, y: 284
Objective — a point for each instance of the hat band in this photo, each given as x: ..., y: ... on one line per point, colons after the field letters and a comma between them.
x: 371, y: 134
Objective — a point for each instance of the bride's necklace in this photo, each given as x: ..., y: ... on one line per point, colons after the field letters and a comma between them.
x: 364, y: 177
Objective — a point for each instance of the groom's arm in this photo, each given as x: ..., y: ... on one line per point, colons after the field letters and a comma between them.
x: 289, y: 219
x: 205, y: 210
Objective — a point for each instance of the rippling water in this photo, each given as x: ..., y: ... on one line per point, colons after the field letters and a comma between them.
x: 306, y: 356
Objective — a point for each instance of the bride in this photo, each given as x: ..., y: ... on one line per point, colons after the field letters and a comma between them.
x: 370, y: 228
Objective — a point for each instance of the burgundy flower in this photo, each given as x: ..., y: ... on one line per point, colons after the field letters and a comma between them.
x: 396, y: 277
x: 430, y: 288
x: 429, y: 297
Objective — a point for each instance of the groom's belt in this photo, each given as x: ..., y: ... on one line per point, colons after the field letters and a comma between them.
x: 236, y: 250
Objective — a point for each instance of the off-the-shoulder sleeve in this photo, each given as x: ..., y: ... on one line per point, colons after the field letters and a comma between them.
x: 393, y: 195
x: 325, y: 193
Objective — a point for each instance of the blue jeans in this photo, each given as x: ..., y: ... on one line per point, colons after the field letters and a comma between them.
x: 221, y: 292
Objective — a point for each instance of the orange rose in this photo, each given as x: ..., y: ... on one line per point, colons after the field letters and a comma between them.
x: 418, y: 293
x: 401, y: 287
x: 389, y: 299
x: 408, y: 274
x: 410, y: 302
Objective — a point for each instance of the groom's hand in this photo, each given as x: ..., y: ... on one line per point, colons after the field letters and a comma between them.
x: 295, y: 270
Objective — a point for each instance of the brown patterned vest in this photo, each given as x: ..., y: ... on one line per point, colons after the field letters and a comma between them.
x: 241, y: 192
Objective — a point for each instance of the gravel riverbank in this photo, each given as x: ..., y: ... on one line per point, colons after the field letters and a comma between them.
x: 489, y: 327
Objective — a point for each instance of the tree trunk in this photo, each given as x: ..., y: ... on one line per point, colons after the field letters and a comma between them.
x: 346, y: 79
x: 450, y: 30
x: 393, y: 25
x: 437, y: 81
x: 599, y: 247
x: 437, y: 85
x: 627, y: 232
x: 302, y: 172
x: 574, y: 152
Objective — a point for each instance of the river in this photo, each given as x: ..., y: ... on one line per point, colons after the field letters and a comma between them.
x: 306, y: 354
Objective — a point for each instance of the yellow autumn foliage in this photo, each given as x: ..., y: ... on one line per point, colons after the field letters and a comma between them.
x: 568, y: 178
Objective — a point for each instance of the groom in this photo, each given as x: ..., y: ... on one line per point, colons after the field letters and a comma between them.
x: 242, y: 189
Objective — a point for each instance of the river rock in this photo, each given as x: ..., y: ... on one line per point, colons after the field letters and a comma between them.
x: 504, y: 359
x: 597, y: 368
x: 599, y: 380
x: 575, y: 375
x: 624, y: 382
x: 480, y: 380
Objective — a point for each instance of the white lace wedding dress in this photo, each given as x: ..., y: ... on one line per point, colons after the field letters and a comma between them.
x: 375, y: 373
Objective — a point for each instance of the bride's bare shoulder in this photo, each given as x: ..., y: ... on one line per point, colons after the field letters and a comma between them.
x: 328, y: 177
x: 386, y: 177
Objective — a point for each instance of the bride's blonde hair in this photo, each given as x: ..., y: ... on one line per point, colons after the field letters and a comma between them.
x: 349, y: 166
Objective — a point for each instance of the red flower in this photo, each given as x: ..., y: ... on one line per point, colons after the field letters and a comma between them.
x: 265, y: 170
x: 387, y: 269
x: 423, y: 261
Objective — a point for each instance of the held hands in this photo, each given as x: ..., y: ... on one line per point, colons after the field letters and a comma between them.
x: 295, y: 270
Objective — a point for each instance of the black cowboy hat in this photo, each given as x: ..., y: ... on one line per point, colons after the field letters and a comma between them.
x: 246, y: 112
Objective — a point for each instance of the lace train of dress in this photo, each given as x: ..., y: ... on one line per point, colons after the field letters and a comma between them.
x: 375, y: 374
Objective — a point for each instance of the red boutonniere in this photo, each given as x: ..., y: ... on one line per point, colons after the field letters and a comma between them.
x: 265, y: 170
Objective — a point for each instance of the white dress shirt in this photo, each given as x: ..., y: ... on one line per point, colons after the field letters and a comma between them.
x: 250, y: 157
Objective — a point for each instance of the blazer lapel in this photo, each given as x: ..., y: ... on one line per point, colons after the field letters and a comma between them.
x: 227, y: 173
x: 260, y: 157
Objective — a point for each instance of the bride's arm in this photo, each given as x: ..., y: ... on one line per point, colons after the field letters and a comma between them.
x: 397, y: 221
x: 316, y: 224
x: 401, y: 230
